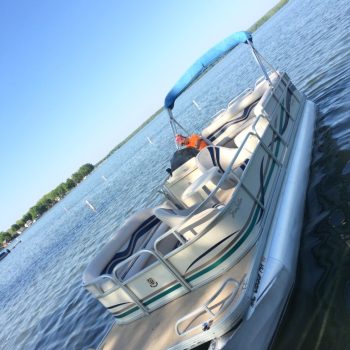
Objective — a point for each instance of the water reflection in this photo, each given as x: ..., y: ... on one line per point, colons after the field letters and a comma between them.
x: 318, y: 313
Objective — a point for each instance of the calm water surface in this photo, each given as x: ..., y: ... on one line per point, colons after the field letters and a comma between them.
x: 42, y: 303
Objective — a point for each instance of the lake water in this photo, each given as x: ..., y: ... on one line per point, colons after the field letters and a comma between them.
x: 42, y: 302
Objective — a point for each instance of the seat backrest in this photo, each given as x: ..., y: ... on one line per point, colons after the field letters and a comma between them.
x: 221, y: 157
x: 187, y: 226
x: 145, y: 260
x: 170, y: 217
x: 238, y: 110
x: 129, y: 236
x: 233, y: 115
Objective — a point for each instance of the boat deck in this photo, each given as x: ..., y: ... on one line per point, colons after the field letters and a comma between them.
x: 157, y: 331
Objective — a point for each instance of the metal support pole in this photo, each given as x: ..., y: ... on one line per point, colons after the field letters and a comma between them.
x: 173, y: 271
x: 174, y: 123
x: 258, y: 60
x: 179, y: 237
x: 275, y: 131
x: 173, y: 128
x: 252, y: 196
x: 131, y: 294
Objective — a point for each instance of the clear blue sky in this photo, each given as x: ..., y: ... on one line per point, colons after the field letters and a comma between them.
x: 76, y: 77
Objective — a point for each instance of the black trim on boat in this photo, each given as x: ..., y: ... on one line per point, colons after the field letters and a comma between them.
x: 209, y: 250
x: 120, y: 304
x: 262, y: 190
x: 246, y: 112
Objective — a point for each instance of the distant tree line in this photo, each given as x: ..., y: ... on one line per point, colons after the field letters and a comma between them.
x: 267, y: 16
x: 45, y: 203
x: 147, y: 121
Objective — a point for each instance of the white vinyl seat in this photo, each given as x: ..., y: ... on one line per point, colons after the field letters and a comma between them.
x: 188, y: 227
x: 171, y: 217
x: 212, y: 175
x: 238, y: 112
x: 221, y: 157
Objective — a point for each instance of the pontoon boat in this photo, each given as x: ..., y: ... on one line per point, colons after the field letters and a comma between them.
x: 216, y: 261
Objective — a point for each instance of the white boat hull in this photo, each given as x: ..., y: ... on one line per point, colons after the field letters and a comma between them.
x: 281, y: 253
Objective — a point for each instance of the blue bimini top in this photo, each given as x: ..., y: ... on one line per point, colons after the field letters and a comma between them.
x: 210, y: 57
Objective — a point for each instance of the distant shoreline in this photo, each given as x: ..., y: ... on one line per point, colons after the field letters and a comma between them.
x: 147, y: 121
x: 267, y: 16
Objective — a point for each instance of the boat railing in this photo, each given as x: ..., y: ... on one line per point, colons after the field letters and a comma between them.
x: 212, y: 307
x: 96, y: 286
x: 122, y: 283
x: 229, y: 172
x: 158, y: 257
x: 163, y: 258
x: 263, y: 78
x: 211, y: 197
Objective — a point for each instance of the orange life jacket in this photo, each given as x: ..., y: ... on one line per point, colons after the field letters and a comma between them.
x: 196, y: 141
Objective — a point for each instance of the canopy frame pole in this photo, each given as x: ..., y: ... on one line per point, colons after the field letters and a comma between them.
x: 257, y: 57
x: 272, y: 68
x: 173, y: 124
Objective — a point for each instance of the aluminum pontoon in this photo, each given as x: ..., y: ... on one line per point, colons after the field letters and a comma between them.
x: 216, y: 261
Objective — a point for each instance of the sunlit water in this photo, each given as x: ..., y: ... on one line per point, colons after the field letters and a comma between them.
x: 42, y: 302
